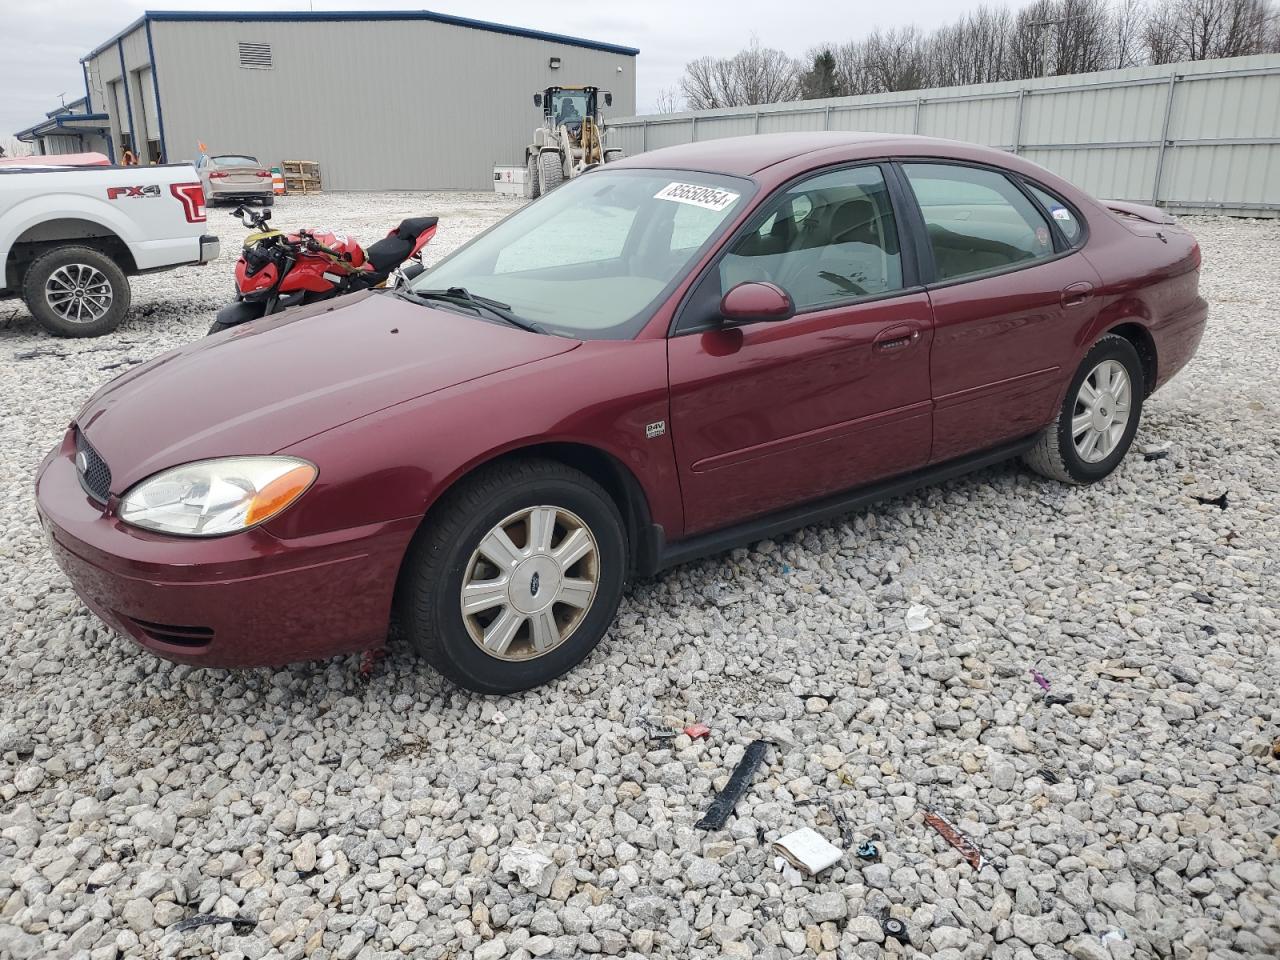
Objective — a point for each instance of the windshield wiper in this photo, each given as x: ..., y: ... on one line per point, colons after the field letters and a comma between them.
x: 463, y: 297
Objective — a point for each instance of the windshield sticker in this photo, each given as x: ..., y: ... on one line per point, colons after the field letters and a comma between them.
x: 1061, y: 213
x: 709, y: 198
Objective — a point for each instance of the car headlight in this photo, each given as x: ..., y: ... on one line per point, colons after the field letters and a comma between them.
x: 214, y: 497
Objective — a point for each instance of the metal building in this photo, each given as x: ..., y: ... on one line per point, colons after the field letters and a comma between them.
x: 1196, y: 137
x: 382, y: 100
x: 71, y: 128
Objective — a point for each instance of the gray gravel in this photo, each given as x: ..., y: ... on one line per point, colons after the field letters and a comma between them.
x: 394, y: 816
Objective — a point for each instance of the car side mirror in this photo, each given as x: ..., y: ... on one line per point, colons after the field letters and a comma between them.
x: 537, y: 99
x: 608, y: 99
x: 754, y: 301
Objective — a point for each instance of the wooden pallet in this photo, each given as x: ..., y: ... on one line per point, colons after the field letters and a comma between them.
x: 301, y: 176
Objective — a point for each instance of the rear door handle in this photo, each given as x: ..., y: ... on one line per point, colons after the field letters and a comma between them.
x: 1077, y: 293
x: 897, y: 338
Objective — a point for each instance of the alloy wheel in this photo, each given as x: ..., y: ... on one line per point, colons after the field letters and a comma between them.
x: 78, y: 293
x: 1103, y: 405
x: 530, y: 583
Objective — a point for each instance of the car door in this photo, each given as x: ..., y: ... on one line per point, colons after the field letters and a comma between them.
x: 1010, y: 295
x: 770, y: 414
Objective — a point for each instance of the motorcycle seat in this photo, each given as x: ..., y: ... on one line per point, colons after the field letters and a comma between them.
x: 393, y: 249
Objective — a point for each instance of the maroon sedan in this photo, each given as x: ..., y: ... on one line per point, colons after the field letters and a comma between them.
x: 683, y: 351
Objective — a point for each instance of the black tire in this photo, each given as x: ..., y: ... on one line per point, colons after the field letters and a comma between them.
x: 1055, y: 454
x: 550, y: 171
x: 531, y: 190
x: 269, y: 201
x: 76, y: 261
x: 428, y: 605
x: 234, y: 314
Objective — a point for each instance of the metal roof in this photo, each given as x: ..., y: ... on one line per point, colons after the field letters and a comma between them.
x: 353, y: 16
x: 70, y: 121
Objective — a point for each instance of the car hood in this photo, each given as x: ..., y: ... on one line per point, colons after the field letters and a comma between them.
x: 262, y: 387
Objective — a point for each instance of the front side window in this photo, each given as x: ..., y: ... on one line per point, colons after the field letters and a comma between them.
x: 827, y: 239
x: 977, y: 220
x: 594, y: 257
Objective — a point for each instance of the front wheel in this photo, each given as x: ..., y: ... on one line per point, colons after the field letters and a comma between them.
x: 531, y: 190
x: 76, y: 292
x: 550, y: 171
x: 515, y: 577
x: 1098, y: 418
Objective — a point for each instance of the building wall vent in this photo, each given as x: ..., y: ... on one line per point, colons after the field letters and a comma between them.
x: 255, y: 56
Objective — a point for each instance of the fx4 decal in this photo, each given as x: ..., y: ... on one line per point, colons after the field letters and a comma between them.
x: 115, y: 193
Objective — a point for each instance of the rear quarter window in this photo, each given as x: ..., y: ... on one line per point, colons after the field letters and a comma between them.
x: 1065, y: 217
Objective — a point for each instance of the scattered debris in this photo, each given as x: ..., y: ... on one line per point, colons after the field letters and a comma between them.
x: 498, y: 718
x: 1120, y: 673
x: 789, y: 873
x: 40, y: 352
x: 1199, y: 597
x: 868, y: 850
x: 654, y: 729
x: 239, y: 924
x: 1113, y: 935
x: 1152, y: 455
x: 968, y: 849
x: 895, y: 928
x: 1040, y: 678
x: 1058, y: 699
x: 1219, y: 502
x: 837, y: 817
x: 1048, y: 776
x: 807, y: 850
x: 718, y: 813
x: 918, y: 618
x: 529, y: 866
x: 127, y: 362
x: 696, y: 731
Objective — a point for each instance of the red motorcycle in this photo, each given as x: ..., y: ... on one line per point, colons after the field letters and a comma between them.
x: 278, y: 270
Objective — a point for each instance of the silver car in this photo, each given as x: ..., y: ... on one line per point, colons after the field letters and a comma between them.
x: 235, y: 177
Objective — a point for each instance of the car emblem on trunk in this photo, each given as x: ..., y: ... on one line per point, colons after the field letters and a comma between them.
x: 534, y: 583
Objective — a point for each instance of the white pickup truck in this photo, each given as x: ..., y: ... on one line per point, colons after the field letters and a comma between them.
x: 69, y: 237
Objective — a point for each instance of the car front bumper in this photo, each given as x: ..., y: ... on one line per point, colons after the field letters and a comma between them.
x: 247, y: 599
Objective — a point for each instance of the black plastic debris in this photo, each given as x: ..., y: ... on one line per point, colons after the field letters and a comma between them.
x: 239, y: 924
x: 895, y: 928
x: 868, y: 851
x: 837, y: 817
x: 1219, y: 502
x: 717, y: 814
x: 1048, y: 776
x: 1058, y: 699
x: 1199, y: 597
x: 1155, y: 455
x: 653, y: 729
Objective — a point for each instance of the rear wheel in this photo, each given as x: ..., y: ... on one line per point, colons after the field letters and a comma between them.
x: 268, y: 201
x: 515, y: 578
x: 1098, y: 419
x: 531, y: 190
x: 551, y: 171
x: 76, y: 292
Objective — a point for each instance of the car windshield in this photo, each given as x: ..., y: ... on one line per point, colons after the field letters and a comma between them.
x: 569, y: 106
x: 230, y: 160
x: 594, y: 258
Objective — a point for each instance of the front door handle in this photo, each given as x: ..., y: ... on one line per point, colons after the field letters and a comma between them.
x: 897, y: 338
x: 1074, y: 294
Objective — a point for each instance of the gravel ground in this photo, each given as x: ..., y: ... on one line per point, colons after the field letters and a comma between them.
x: 1130, y: 811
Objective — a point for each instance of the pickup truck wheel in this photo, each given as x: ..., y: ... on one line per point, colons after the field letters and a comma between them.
x: 76, y: 292
x: 515, y: 578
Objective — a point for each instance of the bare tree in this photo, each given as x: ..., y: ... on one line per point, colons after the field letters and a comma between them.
x: 1204, y: 29
x: 668, y: 101
x: 1128, y: 19
x: 754, y: 75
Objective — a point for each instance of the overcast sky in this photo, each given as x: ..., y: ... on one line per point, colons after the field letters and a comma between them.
x: 42, y: 41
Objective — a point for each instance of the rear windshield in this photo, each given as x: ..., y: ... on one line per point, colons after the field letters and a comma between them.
x: 230, y: 160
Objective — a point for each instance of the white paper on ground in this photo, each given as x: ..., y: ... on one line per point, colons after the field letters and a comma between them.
x: 808, y: 850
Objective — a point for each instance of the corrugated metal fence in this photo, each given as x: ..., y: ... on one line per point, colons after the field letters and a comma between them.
x: 1193, y: 137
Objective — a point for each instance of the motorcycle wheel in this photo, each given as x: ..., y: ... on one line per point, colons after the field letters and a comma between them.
x: 234, y: 314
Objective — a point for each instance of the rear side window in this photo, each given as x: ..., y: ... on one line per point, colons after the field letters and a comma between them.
x: 977, y: 220
x: 1063, y: 215
x: 827, y: 239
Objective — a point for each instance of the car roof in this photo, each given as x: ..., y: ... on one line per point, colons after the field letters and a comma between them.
x: 746, y: 156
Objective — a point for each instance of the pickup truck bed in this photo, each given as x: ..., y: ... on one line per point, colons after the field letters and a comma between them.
x: 70, y: 236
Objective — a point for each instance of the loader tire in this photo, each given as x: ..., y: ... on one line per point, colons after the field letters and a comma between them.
x: 550, y: 170
x: 531, y: 190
